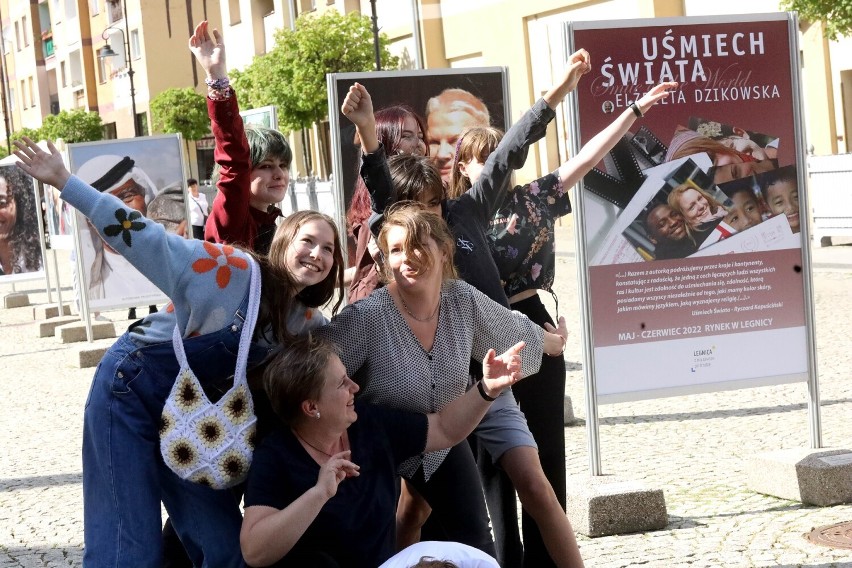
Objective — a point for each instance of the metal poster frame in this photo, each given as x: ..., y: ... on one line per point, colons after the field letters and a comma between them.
x: 85, y: 302
x: 587, y: 260
x: 431, y: 82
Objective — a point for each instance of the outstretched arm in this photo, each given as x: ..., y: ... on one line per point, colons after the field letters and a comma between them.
x: 230, y: 219
x: 458, y: 419
x: 578, y: 65
x: 489, y: 191
x: 358, y: 107
x: 593, y: 152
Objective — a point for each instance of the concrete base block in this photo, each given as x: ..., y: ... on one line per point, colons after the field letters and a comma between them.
x: 47, y: 328
x: 74, y: 332
x: 86, y: 356
x: 569, y: 419
x: 814, y: 477
x: 50, y: 311
x: 608, y: 505
x: 16, y: 300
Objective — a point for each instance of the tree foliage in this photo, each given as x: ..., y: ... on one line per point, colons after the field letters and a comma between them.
x: 31, y: 133
x: 77, y: 125
x: 180, y: 111
x: 835, y: 14
x: 292, y: 75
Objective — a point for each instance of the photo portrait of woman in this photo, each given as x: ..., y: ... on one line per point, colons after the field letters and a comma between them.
x: 20, y: 248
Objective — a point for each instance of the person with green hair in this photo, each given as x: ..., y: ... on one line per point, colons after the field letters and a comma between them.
x: 252, y: 164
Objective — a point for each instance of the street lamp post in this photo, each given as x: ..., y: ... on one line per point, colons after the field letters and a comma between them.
x: 107, y: 51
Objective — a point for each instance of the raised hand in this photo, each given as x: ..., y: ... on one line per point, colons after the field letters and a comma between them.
x: 46, y: 167
x: 210, y: 52
x: 579, y: 63
x: 655, y: 95
x: 501, y: 371
x: 358, y: 106
x: 335, y: 470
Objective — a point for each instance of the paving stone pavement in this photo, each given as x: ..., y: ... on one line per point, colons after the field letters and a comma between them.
x: 693, y: 447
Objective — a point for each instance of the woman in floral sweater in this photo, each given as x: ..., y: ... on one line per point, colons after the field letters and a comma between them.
x: 124, y: 475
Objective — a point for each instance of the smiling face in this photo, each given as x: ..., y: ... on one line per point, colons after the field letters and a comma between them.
x: 412, y: 268
x: 694, y: 206
x: 744, y: 211
x: 310, y: 256
x: 412, y: 139
x: 8, y: 209
x: 336, y: 402
x: 782, y: 197
x: 269, y: 181
x: 663, y: 222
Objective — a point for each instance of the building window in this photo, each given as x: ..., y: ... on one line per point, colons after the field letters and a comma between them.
x: 11, y: 97
x: 18, y: 35
x: 102, y: 72
x: 308, y: 5
x: 94, y: 9
x: 23, y: 94
x: 110, y: 131
x: 63, y: 75
x: 113, y: 11
x: 24, y: 31
x: 32, y: 93
x: 142, y: 123
x: 135, y: 50
x: 234, y: 12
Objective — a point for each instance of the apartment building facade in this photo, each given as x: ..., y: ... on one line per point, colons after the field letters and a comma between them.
x: 50, y: 54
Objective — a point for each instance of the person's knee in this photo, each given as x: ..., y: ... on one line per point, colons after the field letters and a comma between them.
x: 524, y: 469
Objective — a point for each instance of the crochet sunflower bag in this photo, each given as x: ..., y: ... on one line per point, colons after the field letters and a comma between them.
x: 209, y: 443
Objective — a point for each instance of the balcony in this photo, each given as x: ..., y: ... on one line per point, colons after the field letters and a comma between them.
x: 47, y: 43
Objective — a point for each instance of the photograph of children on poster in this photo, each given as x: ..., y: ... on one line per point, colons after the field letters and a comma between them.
x: 147, y: 174
x: 692, y: 223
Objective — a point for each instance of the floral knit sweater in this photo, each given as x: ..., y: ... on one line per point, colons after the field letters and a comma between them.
x: 205, y: 282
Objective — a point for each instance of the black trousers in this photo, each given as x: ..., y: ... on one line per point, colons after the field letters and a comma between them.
x: 455, y: 494
x: 541, y: 397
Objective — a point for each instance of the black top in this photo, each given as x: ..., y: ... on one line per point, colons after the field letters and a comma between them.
x: 356, y: 526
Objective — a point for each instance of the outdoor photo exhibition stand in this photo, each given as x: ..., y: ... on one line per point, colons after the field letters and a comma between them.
x: 412, y: 88
x: 693, y: 256
x: 138, y: 171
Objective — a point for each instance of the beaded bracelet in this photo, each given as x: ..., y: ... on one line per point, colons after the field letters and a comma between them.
x: 218, y: 84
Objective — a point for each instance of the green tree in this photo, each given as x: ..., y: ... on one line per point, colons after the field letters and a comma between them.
x: 31, y: 133
x: 835, y: 14
x: 292, y: 75
x: 180, y: 111
x: 76, y: 125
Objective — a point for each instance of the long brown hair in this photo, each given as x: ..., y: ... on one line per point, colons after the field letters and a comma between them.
x: 474, y: 143
x: 278, y: 289
x: 419, y: 225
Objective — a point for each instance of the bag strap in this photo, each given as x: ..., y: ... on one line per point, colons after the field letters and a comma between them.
x: 245, y: 335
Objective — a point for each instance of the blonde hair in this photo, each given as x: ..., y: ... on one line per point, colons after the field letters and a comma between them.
x: 475, y: 143
x: 419, y: 224
x: 677, y: 192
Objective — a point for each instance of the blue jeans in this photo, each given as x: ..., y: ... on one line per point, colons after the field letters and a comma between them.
x: 124, y: 477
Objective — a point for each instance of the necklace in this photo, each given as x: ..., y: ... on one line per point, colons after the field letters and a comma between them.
x: 408, y: 310
x: 310, y: 444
